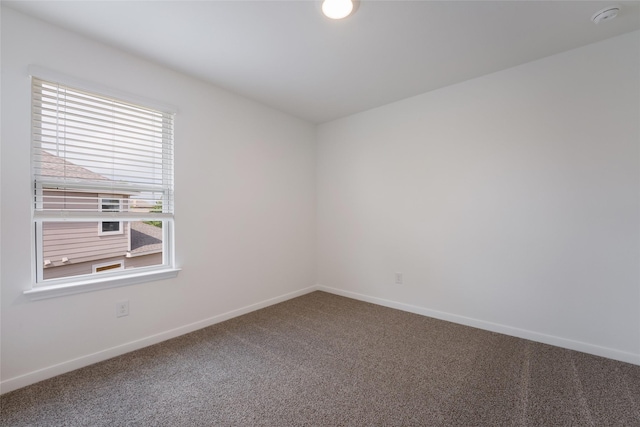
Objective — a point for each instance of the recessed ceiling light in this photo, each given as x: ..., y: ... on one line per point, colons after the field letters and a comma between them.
x: 337, y: 9
x: 605, y: 14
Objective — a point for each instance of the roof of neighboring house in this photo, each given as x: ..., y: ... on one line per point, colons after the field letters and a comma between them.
x: 52, y: 165
x: 145, y: 238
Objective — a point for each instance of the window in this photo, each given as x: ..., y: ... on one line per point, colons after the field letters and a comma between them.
x: 103, y: 189
x: 110, y: 227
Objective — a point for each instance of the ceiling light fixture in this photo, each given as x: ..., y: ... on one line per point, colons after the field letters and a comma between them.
x: 605, y: 14
x: 337, y: 9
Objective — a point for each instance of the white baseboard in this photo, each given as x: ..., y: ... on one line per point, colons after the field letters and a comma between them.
x: 493, y: 327
x: 89, y: 359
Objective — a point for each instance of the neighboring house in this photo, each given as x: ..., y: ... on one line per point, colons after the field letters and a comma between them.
x: 75, y: 248
x: 145, y: 245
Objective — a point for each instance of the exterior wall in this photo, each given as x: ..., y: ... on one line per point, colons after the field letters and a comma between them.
x: 77, y: 268
x: 79, y: 201
x: 143, y: 260
x: 80, y: 242
x: 87, y: 267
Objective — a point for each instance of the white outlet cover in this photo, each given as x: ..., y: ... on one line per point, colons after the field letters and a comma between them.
x: 122, y: 309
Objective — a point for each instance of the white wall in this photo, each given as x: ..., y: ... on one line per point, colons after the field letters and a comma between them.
x: 245, y: 210
x: 509, y: 202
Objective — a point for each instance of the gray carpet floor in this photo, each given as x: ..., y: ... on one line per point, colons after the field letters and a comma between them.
x: 325, y: 360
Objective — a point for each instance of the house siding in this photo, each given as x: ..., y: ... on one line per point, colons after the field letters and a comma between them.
x: 51, y: 199
x: 76, y: 269
x: 143, y: 261
x: 87, y: 267
x: 80, y: 242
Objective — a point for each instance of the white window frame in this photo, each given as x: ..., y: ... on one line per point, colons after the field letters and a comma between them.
x: 40, y: 288
x: 120, y: 230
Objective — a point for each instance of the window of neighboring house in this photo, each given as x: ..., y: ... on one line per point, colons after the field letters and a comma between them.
x: 99, y: 160
x: 110, y: 227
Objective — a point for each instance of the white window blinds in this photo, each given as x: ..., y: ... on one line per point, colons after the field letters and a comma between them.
x: 87, y: 147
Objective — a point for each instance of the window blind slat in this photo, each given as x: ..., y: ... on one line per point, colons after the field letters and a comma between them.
x: 54, y: 91
x: 71, y: 156
x: 76, y: 120
x: 50, y: 183
x: 89, y: 143
x: 49, y: 108
x: 40, y: 216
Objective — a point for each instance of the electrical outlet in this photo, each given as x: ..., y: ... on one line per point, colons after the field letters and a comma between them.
x: 398, y: 278
x: 122, y: 308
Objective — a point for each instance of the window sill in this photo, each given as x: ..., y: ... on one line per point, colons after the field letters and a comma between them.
x: 93, y: 284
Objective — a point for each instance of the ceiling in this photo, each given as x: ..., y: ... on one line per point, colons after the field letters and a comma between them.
x: 287, y: 55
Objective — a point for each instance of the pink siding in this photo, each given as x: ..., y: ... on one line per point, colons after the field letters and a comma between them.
x: 76, y: 201
x: 75, y: 269
x: 87, y: 267
x: 80, y: 242
x: 143, y: 261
